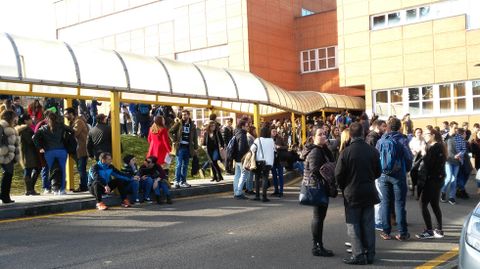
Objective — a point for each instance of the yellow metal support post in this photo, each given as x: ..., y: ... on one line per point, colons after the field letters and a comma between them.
x: 304, y: 129
x: 294, y: 129
x: 69, y: 166
x: 324, y: 117
x: 256, y: 117
x: 115, y: 125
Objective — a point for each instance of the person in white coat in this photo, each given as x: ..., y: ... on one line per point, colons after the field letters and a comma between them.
x: 264, y: 149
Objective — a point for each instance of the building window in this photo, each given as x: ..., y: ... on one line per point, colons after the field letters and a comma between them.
x: 306, y: 12
x: 420, y: 100
x: 320, y: 59
x: 476, y: 95
x: 402, y: 17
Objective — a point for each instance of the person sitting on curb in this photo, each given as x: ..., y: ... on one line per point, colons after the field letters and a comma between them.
x: 101, y: 181
x: 145, y: 183
x: 152, y: 170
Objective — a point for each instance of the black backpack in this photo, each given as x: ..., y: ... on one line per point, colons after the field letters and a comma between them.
x: 69, y: 141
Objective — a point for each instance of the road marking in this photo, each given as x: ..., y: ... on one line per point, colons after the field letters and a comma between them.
x: 439, y: 260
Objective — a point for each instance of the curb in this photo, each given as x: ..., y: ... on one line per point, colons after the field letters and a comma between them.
x: 54, y: 207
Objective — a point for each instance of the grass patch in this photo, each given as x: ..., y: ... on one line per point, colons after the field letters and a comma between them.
x: 130, y: 145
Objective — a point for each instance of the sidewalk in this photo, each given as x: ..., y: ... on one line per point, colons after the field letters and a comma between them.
x: 28, y: 206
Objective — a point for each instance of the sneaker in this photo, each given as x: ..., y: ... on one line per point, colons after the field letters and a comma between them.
x: 47, y: 191
x: 275, y: 194
x: 280, y: 195
x: 452, y: 201
x: 148, y: 200
x: 403, y: 237
x: 240, y: 197
x: 126, y: 203
x: 427, y: 234
x: 61, y: 193
x: 102, y: 206
x: 348, y: 244
x: 185, y: 185
x: 176, y: 185
x: 137, y: 202
x: 438, y: 233
x: 385, y: 236
x: 443, y: 197
x: 379, y: 227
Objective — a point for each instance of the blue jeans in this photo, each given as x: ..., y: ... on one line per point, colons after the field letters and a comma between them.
x: 162, y: 186
x: 146, y: 186
x: 239, y: 179
x: 277, y: 175
x: 134, y: 124
x: 299, y: 166
x: 82, y: 171
x: 61, y: 156
x: 393, y: 189
x: 181, y: 167
x: 249, y: 183
x: 462, y: 176
x: 130, y: 187
x: 94, y: 119
x: 45, y: 181
x: 451, y: 171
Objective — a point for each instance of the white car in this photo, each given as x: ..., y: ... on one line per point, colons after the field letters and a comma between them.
x: 469, y: 252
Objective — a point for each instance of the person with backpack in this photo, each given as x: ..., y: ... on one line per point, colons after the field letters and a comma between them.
x: 396, y: 160
x: 357, y: 168
x: 236, y: 149
x: 9, y: 152
x: 264, y: 150
x: 185, y: 144
x: 315, y: 156
x: 50, y: 140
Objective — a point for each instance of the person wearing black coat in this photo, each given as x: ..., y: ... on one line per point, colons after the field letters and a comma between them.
x: 357, y: 168
x: 430, y: 181
x: 315, y: 155
x: 242, y: 148
x: 99, y: 138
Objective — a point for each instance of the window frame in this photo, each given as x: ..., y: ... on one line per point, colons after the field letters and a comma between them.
x: 317, y: 60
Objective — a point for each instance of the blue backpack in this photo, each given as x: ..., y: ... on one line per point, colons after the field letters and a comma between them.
x: 232, y: 148
x: 144, y: 109
x: 390, y: 156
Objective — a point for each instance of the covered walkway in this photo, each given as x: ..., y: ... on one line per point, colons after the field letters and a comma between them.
x: 31, y: 67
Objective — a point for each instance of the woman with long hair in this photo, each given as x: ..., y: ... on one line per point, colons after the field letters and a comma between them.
x: 49, y: 140
x: 315, y: 155
x: 35, y: 110
x: 417, y: 147
x: 159, y: 142
x: 213, y: 141
x: 344, y: 139
x: 430, y: 181
x: 29, y: 159
x: 264, y: 150
x: 9, y: 152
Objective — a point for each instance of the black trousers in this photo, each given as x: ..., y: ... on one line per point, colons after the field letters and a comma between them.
x: 6, y: 181
x: 361, y: 230
x: 319, y: 214
x: 261, y: 174
x: 431, y: 195
x: 97, y: 189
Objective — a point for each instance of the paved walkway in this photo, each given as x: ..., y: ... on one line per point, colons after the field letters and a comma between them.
x: 26, y: 206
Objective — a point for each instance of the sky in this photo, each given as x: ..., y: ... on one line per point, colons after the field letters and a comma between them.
x: 29, y: 18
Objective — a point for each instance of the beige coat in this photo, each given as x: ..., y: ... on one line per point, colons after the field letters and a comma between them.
x: 80, y: 128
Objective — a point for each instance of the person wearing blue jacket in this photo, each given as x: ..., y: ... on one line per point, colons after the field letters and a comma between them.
x: 104, y: 177
x: 396, y: 162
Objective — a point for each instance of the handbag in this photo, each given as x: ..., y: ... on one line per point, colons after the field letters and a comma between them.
x: 313, y: 195
x: 69, y: 141
x: 249, y: 161
x: 168, y: 159
x: 260, y: 163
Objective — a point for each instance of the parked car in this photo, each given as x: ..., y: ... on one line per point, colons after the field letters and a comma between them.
x: 469, y: 252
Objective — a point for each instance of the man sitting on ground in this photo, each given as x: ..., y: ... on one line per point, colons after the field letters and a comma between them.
x: 150, y: 169
x: 104, y: 177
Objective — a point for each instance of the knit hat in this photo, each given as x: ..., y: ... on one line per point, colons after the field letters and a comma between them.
x: 128, y: 158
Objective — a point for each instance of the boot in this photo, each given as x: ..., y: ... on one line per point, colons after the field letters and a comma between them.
x: 34, y: 182
x: 158, y: 199
x: 319, y: 250
x: 28, y: 185
x: 169, y: 200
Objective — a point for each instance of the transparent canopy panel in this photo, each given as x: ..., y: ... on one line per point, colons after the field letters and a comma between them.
x: 146, y: 73
x: 186, y: 79
x: 194, y: 101
x: 100, y: 67
x: 18, y: 87
x: 249, y: 86
x: 139, y: 97
x: 46, y: 60
x: 94, y: 93
x: 8, y: 60
x: 219, y: 82
x: 54, y: 90
x: 173, y: 100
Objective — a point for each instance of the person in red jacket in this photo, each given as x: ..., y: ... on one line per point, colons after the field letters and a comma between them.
x: 159, y: 142
x: 35, y: 110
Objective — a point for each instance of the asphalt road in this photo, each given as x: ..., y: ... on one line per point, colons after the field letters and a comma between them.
x: 209, y: 232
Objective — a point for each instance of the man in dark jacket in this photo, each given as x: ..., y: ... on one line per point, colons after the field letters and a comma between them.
x: 379, y: 127
x: 393, y: 181
x: 357, y: 168
x: 241, y: 174
x: 227, y: 134
x: 99, y: 138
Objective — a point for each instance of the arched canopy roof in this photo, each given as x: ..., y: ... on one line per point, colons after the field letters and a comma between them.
x: 57, y: 67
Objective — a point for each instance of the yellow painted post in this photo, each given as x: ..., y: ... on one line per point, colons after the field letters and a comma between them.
x: 304, y: 129
x: 69, y: 166
x: 115, y: 125
x: 294, y: 129
x: 324, y: 117
x: 256, y: 117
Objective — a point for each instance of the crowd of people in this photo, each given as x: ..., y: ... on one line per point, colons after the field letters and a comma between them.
x: 375, y: 161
